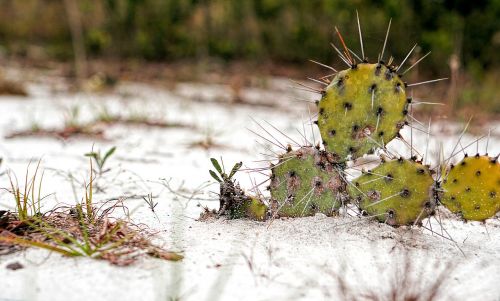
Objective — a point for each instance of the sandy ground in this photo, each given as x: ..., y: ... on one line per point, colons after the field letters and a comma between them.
x: 289, y: 259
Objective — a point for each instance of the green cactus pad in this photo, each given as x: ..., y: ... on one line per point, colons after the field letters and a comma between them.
x: 349, y: 121
x: 472, y: 188
x: 397, y: 192
x: 256, y: 209
x: 304, y: 182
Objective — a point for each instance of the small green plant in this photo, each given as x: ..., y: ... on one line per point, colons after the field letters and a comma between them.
x: 222, y: 172
x: 233, y: 200
x: 100, y: 159
x: 71, y: 117
x: 27, y: 199
x: 149, y: 199
x: 84, y: 231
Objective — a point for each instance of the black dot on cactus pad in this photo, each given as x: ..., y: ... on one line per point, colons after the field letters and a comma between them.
x: 380, y: 110
x: 477, y: 207
x: 340, y: 82
x: 405, y: 193
x: 347, y: 105
x: 492, y: 194
x: 405, y: 112
x: 381, y: 133
x: 408, y: 100
x: 478, y: 173
x: 355, y: 128
x: 397, y: 88
x: 332, y: 133
x: 373, y: 88
x: 388, y: 74
x: 321, y: 111
x: 351, y: 149
x: 389, y: 177
x: 421, y: 171
x: 356, y: 183
x: 453, y: 198
x: 455, y: 181
x: 292, y: 173
x: 467, y: 189
x: 391, y: 213
x: 317, y: 184
x: 477, y: 156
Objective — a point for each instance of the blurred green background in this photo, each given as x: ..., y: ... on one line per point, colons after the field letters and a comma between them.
x: 464, y: 36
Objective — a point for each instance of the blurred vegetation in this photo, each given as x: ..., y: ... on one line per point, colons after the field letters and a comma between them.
x: 284, y: 31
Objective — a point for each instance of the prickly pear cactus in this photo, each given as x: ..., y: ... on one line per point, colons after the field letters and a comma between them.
x: 397, y: 192
x: 363, y: 108
x: 304, y: 182
x: 472, y: 188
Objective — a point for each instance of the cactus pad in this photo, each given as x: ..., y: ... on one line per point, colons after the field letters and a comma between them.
x: 304, y: 182
x: 472, y: 188
x: 397, y: 192
x: 362, y: 108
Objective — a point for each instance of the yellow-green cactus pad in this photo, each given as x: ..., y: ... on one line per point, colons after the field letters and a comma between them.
x: 255, y: 209
x: 397, y: 192
x: 472, y: 188
x: 304, y: 182
x: 362, y: 109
